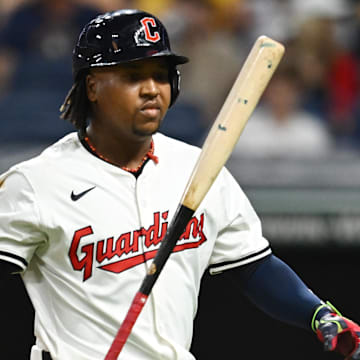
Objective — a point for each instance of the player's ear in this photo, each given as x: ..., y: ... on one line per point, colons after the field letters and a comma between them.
x: 91, y: 87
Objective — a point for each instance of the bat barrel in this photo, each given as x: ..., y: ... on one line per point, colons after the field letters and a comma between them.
x: 244, y: 95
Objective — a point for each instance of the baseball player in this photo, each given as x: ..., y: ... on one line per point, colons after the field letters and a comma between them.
x: 82, y: 221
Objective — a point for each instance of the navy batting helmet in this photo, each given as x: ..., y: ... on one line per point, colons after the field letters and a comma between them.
x: 122, y: 36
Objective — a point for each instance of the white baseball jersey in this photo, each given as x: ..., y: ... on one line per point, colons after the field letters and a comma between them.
x: 84, y: 231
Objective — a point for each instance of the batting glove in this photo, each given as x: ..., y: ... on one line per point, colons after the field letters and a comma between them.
x: 336, y: 332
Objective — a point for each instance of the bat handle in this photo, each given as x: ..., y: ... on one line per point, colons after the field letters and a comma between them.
x: 127, y: 325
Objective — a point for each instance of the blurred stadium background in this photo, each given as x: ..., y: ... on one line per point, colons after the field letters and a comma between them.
x: 298, y: 159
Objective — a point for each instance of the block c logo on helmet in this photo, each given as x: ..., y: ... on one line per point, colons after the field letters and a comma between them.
x: 149, y: 24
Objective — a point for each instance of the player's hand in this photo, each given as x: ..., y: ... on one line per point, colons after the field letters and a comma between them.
x: 339, y: 334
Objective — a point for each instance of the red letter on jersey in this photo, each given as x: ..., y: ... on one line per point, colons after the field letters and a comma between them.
x: 147, y: 22
x: 86, y: 262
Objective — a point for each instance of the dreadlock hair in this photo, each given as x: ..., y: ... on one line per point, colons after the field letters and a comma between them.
x: 76, y: 107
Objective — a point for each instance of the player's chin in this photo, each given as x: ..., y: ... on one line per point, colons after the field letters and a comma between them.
x: 147, y: 129
x: 149, y: 124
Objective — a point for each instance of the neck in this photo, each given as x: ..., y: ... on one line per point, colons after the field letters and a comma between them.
x: 127, y: 154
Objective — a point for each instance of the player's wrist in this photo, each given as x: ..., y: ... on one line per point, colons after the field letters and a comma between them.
x: 320, y: 311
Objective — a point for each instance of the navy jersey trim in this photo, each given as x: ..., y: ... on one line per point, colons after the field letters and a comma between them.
x: 46, y: 355
x: 15, y: 257
x: 218, y: 268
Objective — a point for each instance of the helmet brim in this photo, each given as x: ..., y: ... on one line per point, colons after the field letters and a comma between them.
x: 173, y: 58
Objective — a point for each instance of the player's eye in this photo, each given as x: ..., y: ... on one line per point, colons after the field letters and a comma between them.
x: 161, y: 76
x: 133, y: 77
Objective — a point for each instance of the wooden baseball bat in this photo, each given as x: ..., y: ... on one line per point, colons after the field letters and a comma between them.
x: 248, y: 87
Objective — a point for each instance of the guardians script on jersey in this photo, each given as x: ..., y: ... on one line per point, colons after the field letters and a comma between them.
x: 119, y: 246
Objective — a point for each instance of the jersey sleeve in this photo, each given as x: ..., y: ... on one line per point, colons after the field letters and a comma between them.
x: 20, y: 233
x: 240, y: 240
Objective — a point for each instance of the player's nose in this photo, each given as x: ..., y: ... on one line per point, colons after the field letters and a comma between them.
x: 150, y: 87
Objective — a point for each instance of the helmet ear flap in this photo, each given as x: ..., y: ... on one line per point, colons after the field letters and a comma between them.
x: 174, y: 75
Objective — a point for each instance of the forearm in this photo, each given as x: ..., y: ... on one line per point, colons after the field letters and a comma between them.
x: 278, y: 291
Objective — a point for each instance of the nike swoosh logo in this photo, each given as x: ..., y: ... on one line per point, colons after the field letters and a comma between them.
x: 76, y: 197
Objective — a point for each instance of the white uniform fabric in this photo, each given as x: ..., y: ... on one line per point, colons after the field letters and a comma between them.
x: 84, y: 259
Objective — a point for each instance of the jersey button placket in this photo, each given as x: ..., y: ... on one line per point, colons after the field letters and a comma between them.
x: 144, y: 213
x: 141, y: 209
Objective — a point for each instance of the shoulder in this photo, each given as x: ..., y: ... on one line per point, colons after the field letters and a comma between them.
x: 53, y: 156
x: 68, y: 144
x: 14, y: 182
x: 47, y: 176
